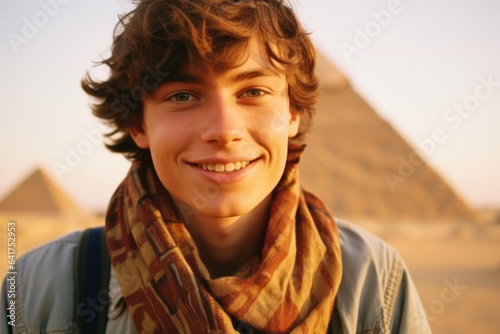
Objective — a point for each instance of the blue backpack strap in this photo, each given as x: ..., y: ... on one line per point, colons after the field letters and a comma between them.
x: 92, y: 269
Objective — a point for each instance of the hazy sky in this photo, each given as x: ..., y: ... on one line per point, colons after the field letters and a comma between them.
x: 424, y: 65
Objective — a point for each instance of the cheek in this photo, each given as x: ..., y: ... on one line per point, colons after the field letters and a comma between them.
x: 280, y: 121
x: 166, y: 143
x: 276, y: 121
x: 169, y: 133
x: 273, y: 131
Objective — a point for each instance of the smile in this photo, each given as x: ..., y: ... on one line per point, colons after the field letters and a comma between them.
x: 224, y: 168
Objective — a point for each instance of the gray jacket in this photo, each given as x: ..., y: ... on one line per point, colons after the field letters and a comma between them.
x: 376, y: 294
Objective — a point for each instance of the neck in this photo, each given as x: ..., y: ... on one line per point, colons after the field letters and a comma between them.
x: 226, y: 244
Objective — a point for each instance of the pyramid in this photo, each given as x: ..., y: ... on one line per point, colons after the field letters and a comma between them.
x: 362, y: 168
x: 38, y: 193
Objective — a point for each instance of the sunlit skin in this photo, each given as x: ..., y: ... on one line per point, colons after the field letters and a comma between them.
x: 233, y: 118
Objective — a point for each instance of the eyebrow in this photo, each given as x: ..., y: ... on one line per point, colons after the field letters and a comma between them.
x: 183, y: 77
x: 247, y: 75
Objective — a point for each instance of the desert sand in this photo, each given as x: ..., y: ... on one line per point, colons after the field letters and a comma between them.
x: 456, y: 267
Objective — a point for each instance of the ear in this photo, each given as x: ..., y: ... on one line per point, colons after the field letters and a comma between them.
x: 139, y: 135
x: 293, y: 127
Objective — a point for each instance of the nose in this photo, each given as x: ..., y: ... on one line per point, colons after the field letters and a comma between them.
x: 223, y: 121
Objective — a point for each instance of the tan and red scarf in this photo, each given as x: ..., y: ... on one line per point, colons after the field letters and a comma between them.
x: 167, y: 288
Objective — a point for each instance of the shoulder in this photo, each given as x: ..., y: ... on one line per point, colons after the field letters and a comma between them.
x: 52, y: 261
x: 375, y: 284
x: 45, y: 288
x: 371, y: 267
x: 362, y: 251
x: 50, y: 253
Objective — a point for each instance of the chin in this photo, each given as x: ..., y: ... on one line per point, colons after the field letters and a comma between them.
x: 226, y: 210
x: 221, y: 207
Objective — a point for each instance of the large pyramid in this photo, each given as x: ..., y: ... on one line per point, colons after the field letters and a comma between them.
x: 363, y: 168
x: 358, y: 164
x: 39, y: 194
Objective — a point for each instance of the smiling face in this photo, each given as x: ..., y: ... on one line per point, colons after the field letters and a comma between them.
x: 219, y: 142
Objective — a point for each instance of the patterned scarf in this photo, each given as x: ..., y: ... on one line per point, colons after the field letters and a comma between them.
x: 290, y: 288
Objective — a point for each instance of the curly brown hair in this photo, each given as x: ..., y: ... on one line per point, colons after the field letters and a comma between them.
x: 159, y: 37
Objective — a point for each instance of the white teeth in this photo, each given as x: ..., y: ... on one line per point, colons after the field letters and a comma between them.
x: 229, y: 167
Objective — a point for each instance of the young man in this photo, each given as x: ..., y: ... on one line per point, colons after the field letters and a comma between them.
x: 211, y: 232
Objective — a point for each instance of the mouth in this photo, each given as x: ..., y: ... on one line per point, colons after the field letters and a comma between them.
x: 224, y: 168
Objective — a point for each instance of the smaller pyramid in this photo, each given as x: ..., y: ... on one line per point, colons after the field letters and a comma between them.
x: 38, y: 193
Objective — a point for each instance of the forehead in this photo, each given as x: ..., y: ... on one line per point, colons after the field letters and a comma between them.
x: 248, y: 64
